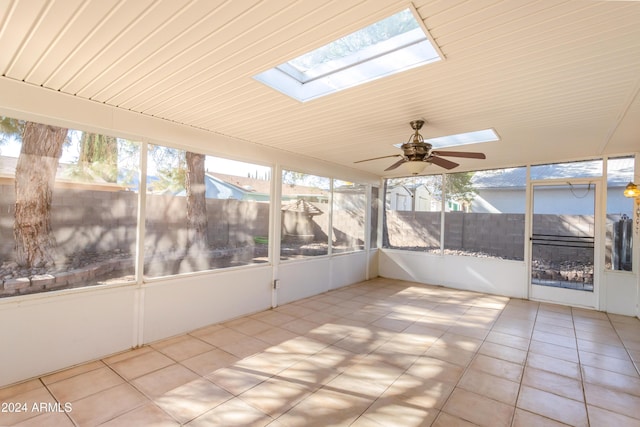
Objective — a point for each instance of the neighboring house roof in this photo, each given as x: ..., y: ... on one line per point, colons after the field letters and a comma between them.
x: 517, y: 177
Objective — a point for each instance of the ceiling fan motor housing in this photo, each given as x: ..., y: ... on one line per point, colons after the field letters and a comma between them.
x: 416, y: 150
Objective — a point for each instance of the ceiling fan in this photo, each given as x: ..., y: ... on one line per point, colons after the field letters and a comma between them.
x: 419, y: 153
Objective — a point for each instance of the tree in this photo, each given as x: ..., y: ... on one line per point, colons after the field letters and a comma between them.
x: 35, y: 176
x: 177, y: 170
x: 99, y: 156
x: 196, y: 201
x: 458, y: 186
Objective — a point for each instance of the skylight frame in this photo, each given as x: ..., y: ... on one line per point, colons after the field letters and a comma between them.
x: 402, y: 52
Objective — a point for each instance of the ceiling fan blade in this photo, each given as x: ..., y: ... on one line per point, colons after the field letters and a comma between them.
x: 447, y: 164
x: 376, y: 158
x: 459, y: 154
x: 396, y: 164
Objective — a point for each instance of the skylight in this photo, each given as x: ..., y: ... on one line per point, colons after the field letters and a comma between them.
x: 486, y: 135
x: 389, y: 46
x: 475, y: 137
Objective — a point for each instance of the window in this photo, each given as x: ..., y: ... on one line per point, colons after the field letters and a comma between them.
x: 204, y: 212
x: 619, y: 224
x: 485, y: 213
x: 348, y: 215
x: 413, y: 213
x: 375, y: 200
x: 80, y: 190
x: 392, y: 45
x: 305, y: 215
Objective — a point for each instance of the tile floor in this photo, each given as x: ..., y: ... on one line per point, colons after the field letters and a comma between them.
x: 378, y: 353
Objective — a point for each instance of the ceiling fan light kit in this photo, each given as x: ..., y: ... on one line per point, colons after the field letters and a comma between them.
x: 417, y: 153
x: 415, y: 167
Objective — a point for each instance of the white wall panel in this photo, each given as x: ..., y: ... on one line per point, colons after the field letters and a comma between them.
x: 301, y: 279
x: 48, y: 332
x: 619, y: 293
x: 493, y: 276
x: 181, y: 304
x: 347, y: 269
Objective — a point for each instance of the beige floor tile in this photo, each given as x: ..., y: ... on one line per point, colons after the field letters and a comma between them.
x: 57, y: 419
x: 396, y: 325
x: 72, y: 372
x: 245, y: 347
x: 498, y: 367
x: 516, y: 327
x: 612, y: 364
x: 552, y: 338
x: 610, y: 338
x: 192, y: 399
x: 236, y: 380
x: 503, y: 352
x: 134, y: 367
x: 446, y: 420
x: 296, y: 309
x: 207, y: 363
x: 20, y: 406
x: 545, y: 322
x: 106, y: 405
x: 182, y: 347
x: 8, y: 392
x: 450, y: 354
x: 429, y: 368
x: 524, y: 418
x: 556, y: 351
x: 603, y: 349
x: 478, y: 409
x: 490, y: 386
x: 459, y: 341
x: 394, y: 412
x: 620, y: 382
x: 274, y: 318
x: 223, y: 336
x: 248, y: 326
x: 553, y: 383
x: 557, y: 366
x: 520, y: 343
x: 276, y: 335
x: 146, y: 415
x: 300, y: 326
x: 612, y: 400
x: 275, y: 396
x: 419, y: 392
x: 554, y: 327
x: 82, y: 385
x: 158, y: 382
x: 320, y: 317
x: 326, y: 407
x: 553, y: 406
x: 308, y: 373
x: 232, y: 413
x: 599, y: 417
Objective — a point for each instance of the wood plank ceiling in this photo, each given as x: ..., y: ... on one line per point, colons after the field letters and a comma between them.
x: 558, y: 80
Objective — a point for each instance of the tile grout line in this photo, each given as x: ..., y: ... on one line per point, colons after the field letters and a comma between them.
x: 582, y: 381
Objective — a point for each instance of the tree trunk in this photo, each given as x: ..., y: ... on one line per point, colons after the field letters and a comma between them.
x: 196, y: 201
x: 35, y: 177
